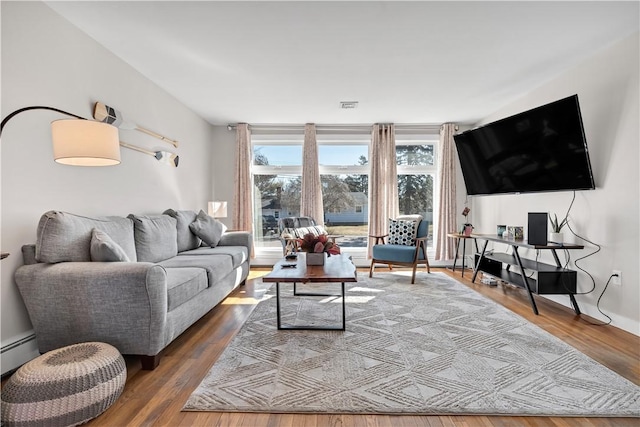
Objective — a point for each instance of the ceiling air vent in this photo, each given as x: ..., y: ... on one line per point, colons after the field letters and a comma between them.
x: 348, y: 105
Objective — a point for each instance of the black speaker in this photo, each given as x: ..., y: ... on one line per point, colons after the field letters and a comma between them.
x: 537, y: 229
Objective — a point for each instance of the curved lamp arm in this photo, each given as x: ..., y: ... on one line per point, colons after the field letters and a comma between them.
x: 35, y: 107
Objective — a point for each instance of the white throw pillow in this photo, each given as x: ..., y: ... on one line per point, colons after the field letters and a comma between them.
x: 402, y: 232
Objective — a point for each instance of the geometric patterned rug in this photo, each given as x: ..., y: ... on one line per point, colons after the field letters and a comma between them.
x: 435, y: 347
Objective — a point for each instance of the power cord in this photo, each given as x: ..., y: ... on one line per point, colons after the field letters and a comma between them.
x: 530, y: 276
x: 598, y: 306
x: 593, y: 287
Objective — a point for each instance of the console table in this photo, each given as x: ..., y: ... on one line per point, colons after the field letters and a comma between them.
x: 552, y: 279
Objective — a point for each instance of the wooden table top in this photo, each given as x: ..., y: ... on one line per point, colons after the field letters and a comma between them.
x: 336, y: 268
x: 460, y: 236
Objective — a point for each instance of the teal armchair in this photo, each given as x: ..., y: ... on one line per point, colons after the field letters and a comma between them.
x: 409, y: 254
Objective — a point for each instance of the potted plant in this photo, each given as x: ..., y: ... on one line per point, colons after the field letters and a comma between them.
x: 316, y: 246
x: 556, y: 228
x: 467, y: 228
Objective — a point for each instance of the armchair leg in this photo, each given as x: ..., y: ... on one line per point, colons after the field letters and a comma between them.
x: 373, y: 262
x: 413, y: 275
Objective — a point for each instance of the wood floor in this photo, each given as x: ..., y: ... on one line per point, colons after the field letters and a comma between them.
x: 155, y: 398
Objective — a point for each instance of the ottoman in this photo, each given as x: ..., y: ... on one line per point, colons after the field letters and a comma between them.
x: 64, y: 387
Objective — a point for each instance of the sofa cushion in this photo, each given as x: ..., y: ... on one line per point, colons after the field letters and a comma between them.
x: 217, y: 266
x: 397, y: 253
x: 156, y: 237
x: 104, y: 249
x: 208, y: 229
x: 186, y: 239
x: 238, y: 254
x: 66, y: 237
x: 184, y: 284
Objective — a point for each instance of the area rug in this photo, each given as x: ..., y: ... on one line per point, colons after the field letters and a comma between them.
x: 435, y: 347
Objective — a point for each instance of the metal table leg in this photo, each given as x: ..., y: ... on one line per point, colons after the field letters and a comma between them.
x: 342, y: 295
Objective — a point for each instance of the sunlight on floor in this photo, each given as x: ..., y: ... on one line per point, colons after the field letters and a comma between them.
x: 361, y: 289
x: 351, y: 299
x: 244, y: 300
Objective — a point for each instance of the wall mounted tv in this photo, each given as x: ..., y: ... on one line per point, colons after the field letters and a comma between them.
x: 543, y: 149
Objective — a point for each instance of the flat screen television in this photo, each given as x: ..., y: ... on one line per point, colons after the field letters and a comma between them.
x: 543, y: 149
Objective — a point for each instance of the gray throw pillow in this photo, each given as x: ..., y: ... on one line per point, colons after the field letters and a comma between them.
x: 156, y: 237
x: 207, y: 228
x: 186, y: 239
x: 104, y: 249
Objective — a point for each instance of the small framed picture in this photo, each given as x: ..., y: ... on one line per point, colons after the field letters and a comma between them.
x: 515, y: 232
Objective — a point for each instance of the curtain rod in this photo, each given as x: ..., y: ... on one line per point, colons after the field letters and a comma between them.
x: 337, y: 127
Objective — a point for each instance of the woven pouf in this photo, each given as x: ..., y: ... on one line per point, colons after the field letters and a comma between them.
x: 64, y: 387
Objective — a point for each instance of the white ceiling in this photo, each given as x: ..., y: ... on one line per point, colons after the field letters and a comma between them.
x: 405, y: 62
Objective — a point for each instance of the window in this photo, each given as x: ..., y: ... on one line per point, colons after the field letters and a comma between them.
x: 276, y: 169
x: 417, y: 167
x: 344, y: 174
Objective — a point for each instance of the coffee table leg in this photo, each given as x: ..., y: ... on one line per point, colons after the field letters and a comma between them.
x: 278, y: 303
x: 344, y: 311
x: 332, y: 328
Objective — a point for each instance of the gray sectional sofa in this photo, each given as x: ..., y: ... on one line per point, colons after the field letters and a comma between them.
x: 136, y: 283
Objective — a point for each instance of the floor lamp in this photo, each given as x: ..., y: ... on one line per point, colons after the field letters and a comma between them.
x: 78, y: 141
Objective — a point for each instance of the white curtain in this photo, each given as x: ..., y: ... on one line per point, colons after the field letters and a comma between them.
x: 447, y: 212
x: 383, y: 181
x: 311, y: 194
x: 242, y: 206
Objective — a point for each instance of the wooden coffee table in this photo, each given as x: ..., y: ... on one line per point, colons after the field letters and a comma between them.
x: 336, y: 269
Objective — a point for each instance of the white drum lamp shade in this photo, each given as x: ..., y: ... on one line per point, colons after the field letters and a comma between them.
x: 218, y: 209
x: 85, y: 143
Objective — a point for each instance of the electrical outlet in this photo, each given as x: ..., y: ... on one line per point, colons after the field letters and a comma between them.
x: 617, y: 279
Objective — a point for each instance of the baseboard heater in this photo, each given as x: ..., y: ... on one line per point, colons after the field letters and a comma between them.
x: 17, y: 353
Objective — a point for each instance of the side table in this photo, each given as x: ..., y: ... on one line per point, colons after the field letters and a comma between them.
x: 461, y: 238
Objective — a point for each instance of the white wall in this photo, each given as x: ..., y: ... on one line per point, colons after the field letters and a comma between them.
x: 223, y: 167
x: 47, y: 61
x: 607, y: 88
